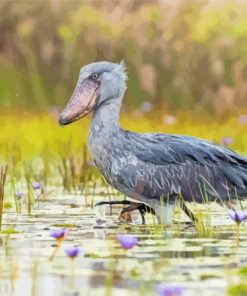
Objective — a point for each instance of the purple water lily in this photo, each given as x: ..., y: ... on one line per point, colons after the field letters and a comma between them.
x: 59, y: 233
x: 127, y: 241
x: 37, y: 185
x: 73, y: 252
x: 170, y: 289
x: 237, y: 216
x: 19, y: 195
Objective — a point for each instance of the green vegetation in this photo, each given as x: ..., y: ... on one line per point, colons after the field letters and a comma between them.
x: 190, y: 55
x: 238, y: 290
x: 186, y: 61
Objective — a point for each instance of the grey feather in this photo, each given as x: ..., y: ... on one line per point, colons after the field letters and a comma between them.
x: 149, y: 165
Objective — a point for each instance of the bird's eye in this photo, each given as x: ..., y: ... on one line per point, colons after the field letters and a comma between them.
x: 95, y: 76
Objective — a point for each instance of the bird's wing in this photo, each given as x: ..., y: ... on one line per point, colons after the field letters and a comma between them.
x: 193, y: 160
x: 164, y: 148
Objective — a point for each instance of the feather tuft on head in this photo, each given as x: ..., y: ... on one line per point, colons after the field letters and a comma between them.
x: 122, y: 71
x: 123, y: 66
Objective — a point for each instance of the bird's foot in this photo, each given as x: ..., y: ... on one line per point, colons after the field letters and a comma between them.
x: 142, y: 208
x: 125, y: 217
x: 132, y: 206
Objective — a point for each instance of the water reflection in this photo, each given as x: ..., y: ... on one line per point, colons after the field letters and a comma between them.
x: 172, y: 253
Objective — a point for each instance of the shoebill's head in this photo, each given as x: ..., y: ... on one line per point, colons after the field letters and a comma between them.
x: 98, y: 83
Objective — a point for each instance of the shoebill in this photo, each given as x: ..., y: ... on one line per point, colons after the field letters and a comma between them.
x: 152, y: 168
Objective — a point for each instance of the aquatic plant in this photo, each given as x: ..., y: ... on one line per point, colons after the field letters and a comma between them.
x: 19, y: 195
x: 238, y: 217
x: 18, y: 200
x: 38, y: 189
x: 203, y: 215
x: 59, y: 235
x: 3, y: 175
x: 64, y: 172
x: 237, y: 290
x: 37, y: 186
x: 72, y: 253
x: 172, y: 289
x: 127, y: 241
x: 30, y: 199
x: 7, y: 206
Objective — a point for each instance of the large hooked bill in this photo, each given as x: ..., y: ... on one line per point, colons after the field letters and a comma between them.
x: 82, y: 102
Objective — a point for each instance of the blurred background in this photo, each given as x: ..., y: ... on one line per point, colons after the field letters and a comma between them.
x: 180, y: 55
x: 186, y: 62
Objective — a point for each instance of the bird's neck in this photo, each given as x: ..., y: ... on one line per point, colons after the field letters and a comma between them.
x: 103, y: 130
x: 106, y: 118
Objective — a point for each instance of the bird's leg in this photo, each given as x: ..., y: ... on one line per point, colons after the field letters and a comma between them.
x: 113, y: 202
x: 132, y: 206
x: 164, y: 212
x: 100, y: 215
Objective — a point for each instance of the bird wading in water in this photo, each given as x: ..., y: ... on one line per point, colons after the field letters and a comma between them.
x: 154, y: 169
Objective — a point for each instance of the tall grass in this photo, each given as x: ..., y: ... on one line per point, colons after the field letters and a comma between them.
x: 165, y: 51
x: 36, y: 148
x: 3, y: 175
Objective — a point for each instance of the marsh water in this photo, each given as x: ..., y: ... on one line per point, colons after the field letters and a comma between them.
x: 204, y: 262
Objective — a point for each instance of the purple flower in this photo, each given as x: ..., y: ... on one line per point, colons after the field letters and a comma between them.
x: 127, y: 241
x: 19, y: 195
x: 237, y: 216
x: 227, y: 141
x: 170, y: 289
x: 243, y: 119
x: 73, y: 252
x: 37, y: 185
x: 59, y: 233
